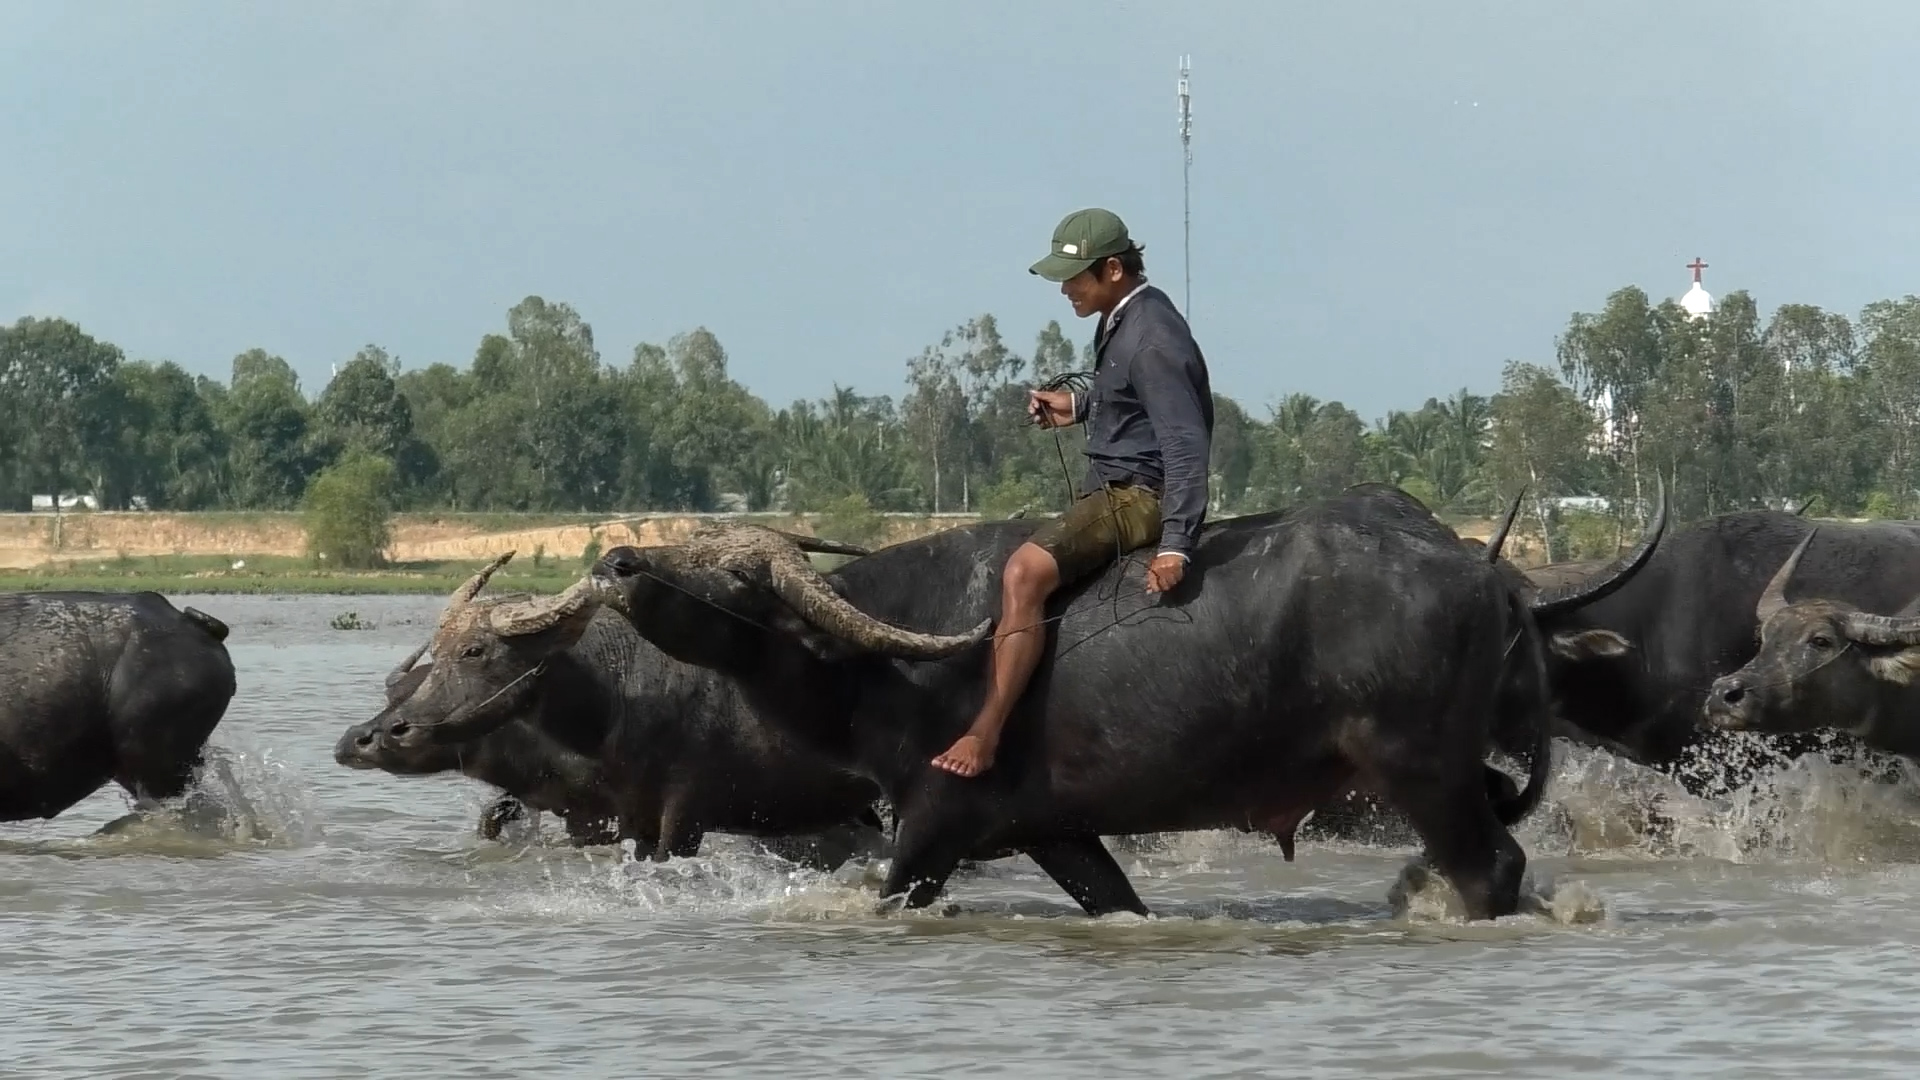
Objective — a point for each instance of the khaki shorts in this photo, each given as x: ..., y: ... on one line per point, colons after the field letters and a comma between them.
x: 1099, y: 528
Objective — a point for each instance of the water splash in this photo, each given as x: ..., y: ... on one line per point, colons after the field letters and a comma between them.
x: 240, y: 797
x: 1420, y: 895
x: 1845, y: 804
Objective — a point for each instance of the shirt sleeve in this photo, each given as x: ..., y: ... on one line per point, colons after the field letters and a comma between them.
x: 1080, y: 403
x: 1170, y: 394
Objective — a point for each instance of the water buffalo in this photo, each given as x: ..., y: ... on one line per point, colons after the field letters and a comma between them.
x: 1825, y: 663
x: 1553, y: 594
x: 1354, y: 637
x: 531, y: 768
x: 1630, y: 670
x: 98, y: 687
x: 679, y: 749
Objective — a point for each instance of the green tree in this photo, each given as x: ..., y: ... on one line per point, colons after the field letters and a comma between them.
x: 847, y: 445
x: 1541, y: 435
x: 1053, y: 353
x: 348, y: 508
x: 64, y: 411
x: 172, y: 452
x: 936, y: 418
x: 265, y: 421
x: 1889, y: 370
x: 1236, y: 451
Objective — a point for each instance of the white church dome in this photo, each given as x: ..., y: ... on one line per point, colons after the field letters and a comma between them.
x: 1698, y: 302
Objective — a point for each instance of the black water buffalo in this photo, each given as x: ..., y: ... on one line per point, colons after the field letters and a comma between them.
x: 531, y: 768
x: 1354, y: 637
x: 678, y: 748
x: 98, y: 687
x: 1553, y: 595
x: 1825, y: 663
x: 1630, y: 671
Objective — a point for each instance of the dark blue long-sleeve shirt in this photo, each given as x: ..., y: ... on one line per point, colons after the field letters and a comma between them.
x: 1149, y: 413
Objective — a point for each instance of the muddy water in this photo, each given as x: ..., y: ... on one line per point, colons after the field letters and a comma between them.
x: 367, y: 932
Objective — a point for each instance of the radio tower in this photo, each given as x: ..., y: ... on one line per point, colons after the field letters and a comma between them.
x: 1186, y: 176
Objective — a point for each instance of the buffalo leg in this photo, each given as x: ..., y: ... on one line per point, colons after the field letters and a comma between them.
x: 495, y: 816
x: 680, y: 834
x: 923, y: 859
x: 1450, y: 811
x: 1086, y: 870
x: 680, y: 841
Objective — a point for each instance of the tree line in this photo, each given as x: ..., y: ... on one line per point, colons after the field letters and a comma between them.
x: 1733, y: 411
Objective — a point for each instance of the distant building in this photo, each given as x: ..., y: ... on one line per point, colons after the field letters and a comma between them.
x: 1698, y: 302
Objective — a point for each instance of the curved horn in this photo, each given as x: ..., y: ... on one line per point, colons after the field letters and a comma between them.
x: 1605, y: 582
x: 726, y: 531
x: 398, y: 673
x: 1499, y: 538
x: 532, y: 616
x: 804, y: 590
x: 1775, y: 596
x: 1882, y: 629
x: 469, y: 589
x: 820, y: 545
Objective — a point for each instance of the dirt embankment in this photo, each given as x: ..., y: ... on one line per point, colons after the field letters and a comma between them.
x: 32, y: 540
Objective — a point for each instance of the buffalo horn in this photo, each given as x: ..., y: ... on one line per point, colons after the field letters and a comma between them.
x: 1882, y: 629
x: 406, y: 665
x: 1565, y: 598
x: 804, y: 590
x: 1499, y: 538
x: 1775, y: 596
x: 542, y: 613
x: 820, y: 545
x: 470, y: 588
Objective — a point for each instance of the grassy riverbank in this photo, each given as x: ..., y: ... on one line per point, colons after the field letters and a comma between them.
x: 269, y: 574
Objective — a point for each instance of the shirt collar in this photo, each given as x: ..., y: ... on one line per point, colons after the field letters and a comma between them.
x: 1105, y: 330
x: 1117, y: 308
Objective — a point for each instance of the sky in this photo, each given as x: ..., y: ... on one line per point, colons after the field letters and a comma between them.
x: 1389, y: 200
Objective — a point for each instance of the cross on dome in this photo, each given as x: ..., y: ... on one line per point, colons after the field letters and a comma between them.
x: 1697, y: 303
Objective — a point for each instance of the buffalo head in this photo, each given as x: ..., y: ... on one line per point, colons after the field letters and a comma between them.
x: 1820, y: 661
x: 365, y: 745
x: 761, y: 579
x: 488, y: 656
x: 1557, y: 592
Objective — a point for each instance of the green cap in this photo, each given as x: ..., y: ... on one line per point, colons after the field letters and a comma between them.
x: 1081, y: 239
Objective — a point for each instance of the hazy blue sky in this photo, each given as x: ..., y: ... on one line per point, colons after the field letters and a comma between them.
x: 1390, y: 200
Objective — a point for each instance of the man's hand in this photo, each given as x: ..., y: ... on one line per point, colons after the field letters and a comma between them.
x: 1050, y: 408
x: 1164, y: 572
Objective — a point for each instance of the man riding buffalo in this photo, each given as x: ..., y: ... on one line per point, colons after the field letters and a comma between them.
x: 1149, y: 422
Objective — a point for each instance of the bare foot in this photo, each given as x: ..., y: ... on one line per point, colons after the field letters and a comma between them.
x: 970, y: 755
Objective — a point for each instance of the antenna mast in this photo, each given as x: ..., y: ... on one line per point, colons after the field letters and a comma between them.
x: 1186, y: 175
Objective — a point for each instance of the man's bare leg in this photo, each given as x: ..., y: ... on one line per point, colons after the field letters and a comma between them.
x: 1030, y: 577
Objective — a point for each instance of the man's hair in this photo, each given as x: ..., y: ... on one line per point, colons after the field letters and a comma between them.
x: 1133, y: 261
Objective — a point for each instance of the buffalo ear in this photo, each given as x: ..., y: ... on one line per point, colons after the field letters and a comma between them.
x: 1898, y: 667
x: 1590, y: 644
